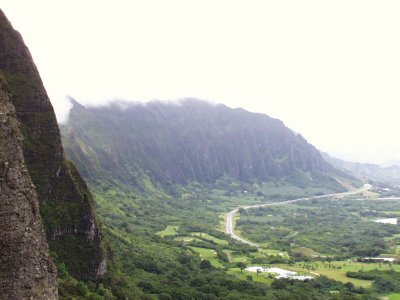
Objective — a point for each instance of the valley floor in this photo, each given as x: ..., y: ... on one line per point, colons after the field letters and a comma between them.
x: 307, y: 261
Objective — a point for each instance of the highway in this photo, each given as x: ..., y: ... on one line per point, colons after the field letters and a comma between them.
x: 230, y: 228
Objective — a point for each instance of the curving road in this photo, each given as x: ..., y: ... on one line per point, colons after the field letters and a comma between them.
x: 229, y: 228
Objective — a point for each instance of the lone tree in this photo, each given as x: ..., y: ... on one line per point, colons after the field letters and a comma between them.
x: 241, y: 266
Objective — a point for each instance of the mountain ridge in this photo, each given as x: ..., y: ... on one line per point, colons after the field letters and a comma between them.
x: 192, y: 141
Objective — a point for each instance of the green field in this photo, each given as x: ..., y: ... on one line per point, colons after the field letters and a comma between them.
x: 268, y: 251
x: 186, y: 239
x: 239, y: 258
x: 355, y: 266
x: 170, y: 230
x: 206, y: 236
x: 339, y: 275
x: 210, y: 255
x: 393, y: 296
x: 243, y: 275
x: 337, y: 269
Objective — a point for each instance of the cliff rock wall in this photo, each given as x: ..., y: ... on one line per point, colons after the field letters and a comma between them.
x: 66, y: 204
x: 26, y: 271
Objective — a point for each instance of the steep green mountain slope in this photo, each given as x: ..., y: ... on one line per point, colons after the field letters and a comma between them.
x: 192, y: 141
x: 66, y: 204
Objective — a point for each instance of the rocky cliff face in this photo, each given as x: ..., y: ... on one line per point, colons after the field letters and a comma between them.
x: 66, y: 204
x: 26, y: 271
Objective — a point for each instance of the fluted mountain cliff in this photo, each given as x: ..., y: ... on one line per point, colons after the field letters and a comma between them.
x: 66, y: 204
x: 189, y: 141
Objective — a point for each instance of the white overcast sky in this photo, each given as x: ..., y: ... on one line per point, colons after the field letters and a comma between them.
x: 329, y: 69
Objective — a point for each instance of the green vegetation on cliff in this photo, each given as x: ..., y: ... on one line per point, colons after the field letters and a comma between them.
x: 65, y: 201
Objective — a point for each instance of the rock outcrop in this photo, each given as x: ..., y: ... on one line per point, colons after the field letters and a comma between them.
x: 26, y: 271
x: 66, y: 204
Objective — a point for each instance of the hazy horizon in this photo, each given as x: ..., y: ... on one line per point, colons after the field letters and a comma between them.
x: 328, y: 70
